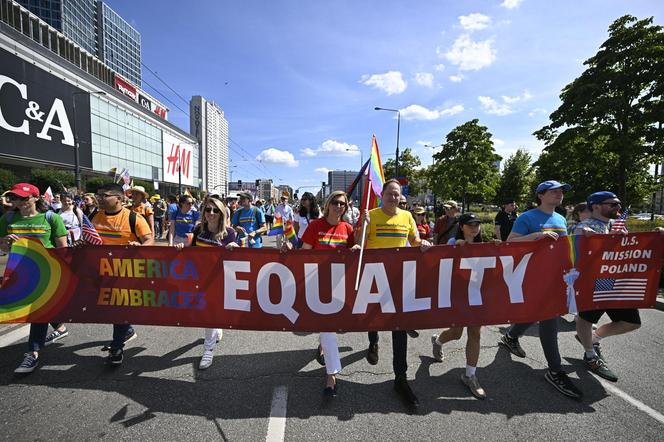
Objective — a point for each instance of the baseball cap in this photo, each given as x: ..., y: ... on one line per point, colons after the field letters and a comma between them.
x: 24, y: 190
x: 451, y: 204
x: 245, y: 195
x: 551, y: 184
x: 419, y: 210
x: 469, y: 218
x: 599, y: 197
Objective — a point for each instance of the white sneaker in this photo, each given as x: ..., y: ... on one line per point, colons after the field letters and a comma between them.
x: 474, y: 386
x: 206, y: 360
x: 220, y: 334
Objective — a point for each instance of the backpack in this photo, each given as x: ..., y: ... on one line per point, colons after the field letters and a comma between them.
x: 132, y: 223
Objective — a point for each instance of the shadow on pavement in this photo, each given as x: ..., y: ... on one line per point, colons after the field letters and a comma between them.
x: 241, y: 386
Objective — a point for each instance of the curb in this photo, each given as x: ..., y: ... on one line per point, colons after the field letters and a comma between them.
x: 659, y: 305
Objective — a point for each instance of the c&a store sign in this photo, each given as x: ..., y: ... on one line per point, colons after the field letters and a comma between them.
x: 37, y: 114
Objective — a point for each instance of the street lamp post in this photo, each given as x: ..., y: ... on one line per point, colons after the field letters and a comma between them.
x: 396, y: 160
x: 433, y: 190
x: 77, y: 166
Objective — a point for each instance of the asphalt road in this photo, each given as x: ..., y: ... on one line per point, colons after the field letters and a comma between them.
x: 267, y: 386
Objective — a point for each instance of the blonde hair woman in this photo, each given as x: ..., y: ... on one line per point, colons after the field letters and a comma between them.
x: 213, y: 231
x: 330, y: 232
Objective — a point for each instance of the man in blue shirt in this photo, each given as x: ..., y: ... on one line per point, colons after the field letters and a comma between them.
x: 543, y: 223
x: 249, y: 221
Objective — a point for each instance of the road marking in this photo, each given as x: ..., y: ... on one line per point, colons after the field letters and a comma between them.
x: 276, y: 427
x: 14, y: 335
x: 637, y: 403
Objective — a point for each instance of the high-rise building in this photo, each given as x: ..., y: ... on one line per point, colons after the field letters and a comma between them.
x: 264, y: 189
x: 208, y: 125
x: 341, y: 180
x: 95, y: 27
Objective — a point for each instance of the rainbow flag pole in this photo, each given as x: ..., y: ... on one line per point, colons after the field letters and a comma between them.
x: 375, y: 181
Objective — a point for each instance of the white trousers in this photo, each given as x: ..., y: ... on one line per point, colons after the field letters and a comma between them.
x: 328, y: 340
x: 212, y: 335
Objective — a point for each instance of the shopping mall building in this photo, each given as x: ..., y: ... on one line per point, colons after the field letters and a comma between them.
x: 55, y: 96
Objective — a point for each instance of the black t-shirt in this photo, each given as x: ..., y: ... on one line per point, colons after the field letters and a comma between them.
x: 505, y: 221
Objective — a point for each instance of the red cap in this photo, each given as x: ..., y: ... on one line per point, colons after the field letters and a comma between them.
x: 24, y: 190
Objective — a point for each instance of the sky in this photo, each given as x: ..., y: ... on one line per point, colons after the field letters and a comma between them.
x: 298, y: 80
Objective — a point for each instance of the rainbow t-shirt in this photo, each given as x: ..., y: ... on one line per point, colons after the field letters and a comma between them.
x: 320, y: 234
x: 535, y: 220
x: 389, y: 231
x: 36, y: 227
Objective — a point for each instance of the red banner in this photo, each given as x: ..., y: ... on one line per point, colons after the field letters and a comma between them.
x: 263, y: 289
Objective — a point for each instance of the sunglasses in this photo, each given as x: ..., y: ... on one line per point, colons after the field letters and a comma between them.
x: 106, y: 195
x: 403, y: 204
x: 338, y: 203
x: 212, y: 210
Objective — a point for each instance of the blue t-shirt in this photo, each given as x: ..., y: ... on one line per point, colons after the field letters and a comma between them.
x: 251, y: 220
x: 537, y: 221
x: 172, y: 210
x: 185, y: 222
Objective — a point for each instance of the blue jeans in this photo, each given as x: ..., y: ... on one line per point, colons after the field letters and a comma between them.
x: 37, y: 338
x: 548, y: 334
x: 119, y: 333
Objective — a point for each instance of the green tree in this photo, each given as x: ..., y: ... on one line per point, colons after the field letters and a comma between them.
x: 7, y: 179
x: 517, y: 179
x: 465, y: 168
x: 608, y: 130
x: 93, y: 183
x: 409, y: 167
x: 57, y: 180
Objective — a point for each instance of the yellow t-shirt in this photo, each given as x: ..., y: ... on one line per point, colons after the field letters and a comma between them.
x: 115, y: 229
x: 389, y: 231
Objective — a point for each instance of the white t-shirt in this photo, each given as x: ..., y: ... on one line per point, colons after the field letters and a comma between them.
x: 304, y: 222
x: 71, y: 222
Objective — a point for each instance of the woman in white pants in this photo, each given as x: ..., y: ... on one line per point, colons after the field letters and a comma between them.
x: 330, y: 232
x: 214, y: 231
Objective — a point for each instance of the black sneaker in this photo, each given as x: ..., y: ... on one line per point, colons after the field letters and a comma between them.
x: 512, y: 344
x: 28, y: 365
x: 131, y: 334
x: 403, y: 390
x: 596, y: 347
x: 320, y: 357
x: 563, y: 384
x: 372, y: 354
x: 598, y: 366
x: 55, y: 336
x: 115, y: 357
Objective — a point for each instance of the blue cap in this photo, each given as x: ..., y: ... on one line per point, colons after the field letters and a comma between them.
x: 548, y: 185
x: 599, y: 197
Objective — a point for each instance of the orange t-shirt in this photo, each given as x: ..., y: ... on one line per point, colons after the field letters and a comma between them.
x: 143, y: 210
x: 115, y: 229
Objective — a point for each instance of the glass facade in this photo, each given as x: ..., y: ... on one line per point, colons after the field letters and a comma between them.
x: 121, y: 45
x: 48, y: 10
x: 79, y: 22
x: 121, y: 139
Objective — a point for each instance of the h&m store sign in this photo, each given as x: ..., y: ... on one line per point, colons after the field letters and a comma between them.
x: 37, y: 117
x: 133, y: 94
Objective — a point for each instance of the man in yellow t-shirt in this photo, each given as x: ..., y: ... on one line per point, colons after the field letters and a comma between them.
x: 391, y: 227
x: 120, y: 226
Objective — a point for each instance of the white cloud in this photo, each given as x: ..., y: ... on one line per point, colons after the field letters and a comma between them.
x: 523, y: 97
x: 456, y: 78
x: 332, y: 148
x: 471, y: 55
x: 498, y: 142
x: 511, y: 4
x: 323, y: 170
x: 492, y: 107
x: 439, y: 67
x: 417, y: 112
x: 424, y: 79
x: 279, y: 157
x: 536, y: 111
x: 474, y: 21
x: 391, y: 82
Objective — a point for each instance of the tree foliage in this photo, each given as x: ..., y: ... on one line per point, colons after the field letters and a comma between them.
x: 518, y: 178
x: 465, y: 168
x: 57, y: 180
x: 7, y: 179
x: 409, y: 167
x: 608, y: 128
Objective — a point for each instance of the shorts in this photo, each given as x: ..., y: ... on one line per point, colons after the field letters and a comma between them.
x: 630, y: 315
x: 269, y: 219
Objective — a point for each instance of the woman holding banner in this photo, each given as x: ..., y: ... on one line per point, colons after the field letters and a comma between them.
x: 214, y: 231
x: 31, y: 219
x: 468, y: 233
x: 329, y: 232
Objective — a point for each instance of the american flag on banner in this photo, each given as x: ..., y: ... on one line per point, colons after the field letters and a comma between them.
x: 621, y: 289
x: 618, y: 224
x: 89, y: 234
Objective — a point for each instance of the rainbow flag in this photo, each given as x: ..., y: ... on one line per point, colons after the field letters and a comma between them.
x: 289, y: 231
x: 375, y: 178
x: 277, y: 226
